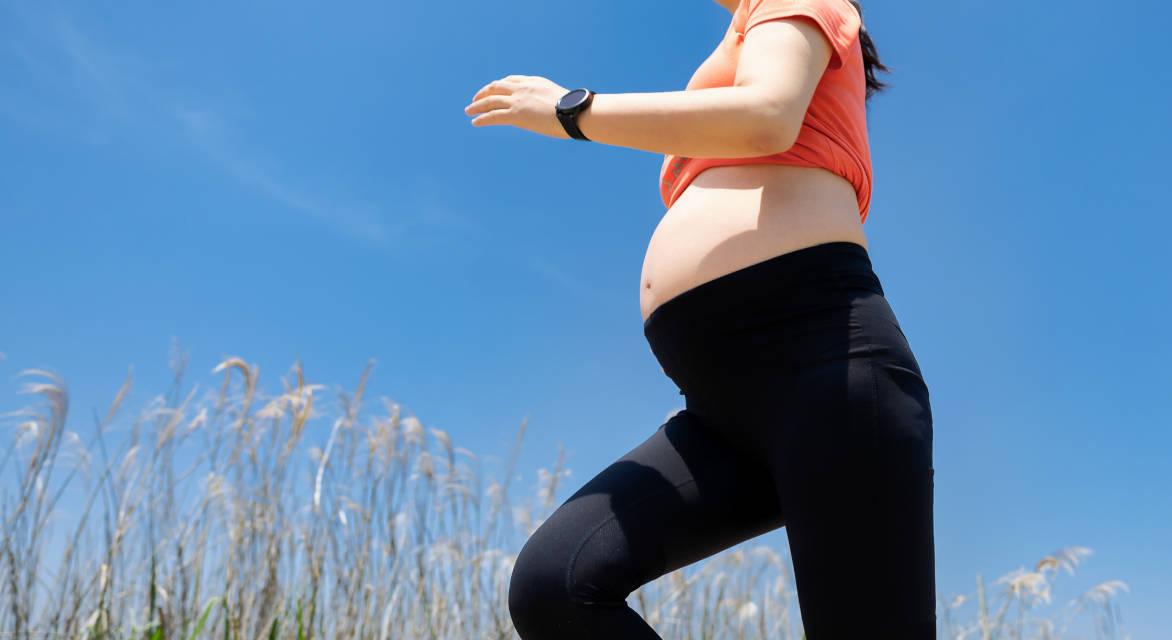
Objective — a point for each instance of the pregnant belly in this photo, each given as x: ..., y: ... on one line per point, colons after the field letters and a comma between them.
x: 734, y: 216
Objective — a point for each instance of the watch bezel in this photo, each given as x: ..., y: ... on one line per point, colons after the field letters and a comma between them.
x: 569, y: 102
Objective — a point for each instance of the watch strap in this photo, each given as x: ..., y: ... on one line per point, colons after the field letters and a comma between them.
x: 569, y: 119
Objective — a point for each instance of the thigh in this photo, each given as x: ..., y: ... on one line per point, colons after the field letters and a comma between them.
x: 681, y: 495
x: 855, y: 478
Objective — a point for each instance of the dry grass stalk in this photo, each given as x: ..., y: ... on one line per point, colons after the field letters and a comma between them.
x: 216, y: 518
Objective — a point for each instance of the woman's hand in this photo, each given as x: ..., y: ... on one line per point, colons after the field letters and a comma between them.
x: 528, y: 102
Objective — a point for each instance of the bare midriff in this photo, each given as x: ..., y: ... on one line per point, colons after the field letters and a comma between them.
x: 731, y: 217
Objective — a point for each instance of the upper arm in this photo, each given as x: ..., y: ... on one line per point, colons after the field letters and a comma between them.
x: 788, y: 45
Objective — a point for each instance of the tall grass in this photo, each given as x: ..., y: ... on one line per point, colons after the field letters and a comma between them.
x: 217, y: 516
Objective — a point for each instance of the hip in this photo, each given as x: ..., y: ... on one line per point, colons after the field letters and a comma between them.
x: 819, y: 308
x: 802, y: 353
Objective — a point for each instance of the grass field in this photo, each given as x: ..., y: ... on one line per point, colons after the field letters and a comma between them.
x: 215, y: 516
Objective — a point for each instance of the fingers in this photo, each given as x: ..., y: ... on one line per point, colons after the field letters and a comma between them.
x: 492, y: 102
x: 507, y: 84
x: 496, y: 116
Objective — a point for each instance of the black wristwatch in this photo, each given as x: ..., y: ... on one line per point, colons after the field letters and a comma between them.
x: 569, y: 106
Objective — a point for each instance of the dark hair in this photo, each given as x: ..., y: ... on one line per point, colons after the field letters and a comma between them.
x: 871, y: 62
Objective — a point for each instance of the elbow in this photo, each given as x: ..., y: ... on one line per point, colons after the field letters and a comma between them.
x: 773, y: 136
x: 776, y: 120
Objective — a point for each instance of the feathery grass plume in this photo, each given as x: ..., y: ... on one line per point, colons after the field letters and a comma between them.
x: 226, y: 511
x: 1100, y: 599
x: 1067, y: 558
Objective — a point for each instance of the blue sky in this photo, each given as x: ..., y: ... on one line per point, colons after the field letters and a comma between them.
x: 284, y: 180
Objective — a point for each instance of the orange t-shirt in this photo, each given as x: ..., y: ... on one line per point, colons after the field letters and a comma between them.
x: 834, y: 132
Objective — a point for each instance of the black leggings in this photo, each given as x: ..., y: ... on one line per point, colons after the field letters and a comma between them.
x: 804, y: 408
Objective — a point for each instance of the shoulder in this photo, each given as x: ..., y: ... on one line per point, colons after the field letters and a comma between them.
x: 838, y: 20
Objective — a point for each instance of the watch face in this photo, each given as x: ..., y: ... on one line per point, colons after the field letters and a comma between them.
x: 572, y: 99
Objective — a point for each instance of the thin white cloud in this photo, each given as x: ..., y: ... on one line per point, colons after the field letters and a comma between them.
x: 62, y: 59
x: 203, y: 130
x: 104, y: 77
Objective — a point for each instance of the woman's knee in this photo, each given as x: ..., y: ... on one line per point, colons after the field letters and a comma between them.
x: 537, y: 587
x: 578, y: 558
x: 536, y: 584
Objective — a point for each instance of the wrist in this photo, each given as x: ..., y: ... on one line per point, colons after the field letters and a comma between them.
x: 585, y: 116
x: 570, y: 107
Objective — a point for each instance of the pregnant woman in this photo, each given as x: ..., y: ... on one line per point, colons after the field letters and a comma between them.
x: 805, y: 407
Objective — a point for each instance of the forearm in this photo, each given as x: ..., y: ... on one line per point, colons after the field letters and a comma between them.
x: 719, y: 122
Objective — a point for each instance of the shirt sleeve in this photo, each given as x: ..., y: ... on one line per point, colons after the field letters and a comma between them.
x: 837, y: 19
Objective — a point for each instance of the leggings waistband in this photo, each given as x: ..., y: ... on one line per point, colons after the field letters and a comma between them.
x: 828, y: 263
